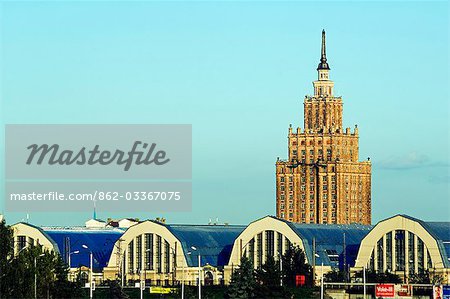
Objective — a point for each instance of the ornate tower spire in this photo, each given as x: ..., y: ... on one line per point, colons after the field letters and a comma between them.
x: 323, y: 65
x: 320, y: 157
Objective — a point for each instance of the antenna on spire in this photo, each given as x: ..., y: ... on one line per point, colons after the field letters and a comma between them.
x: 95, y: 212
x: 324, y: 51
x: 323, y: 65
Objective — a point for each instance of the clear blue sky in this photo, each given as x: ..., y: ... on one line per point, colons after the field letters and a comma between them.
x: 238, y: 72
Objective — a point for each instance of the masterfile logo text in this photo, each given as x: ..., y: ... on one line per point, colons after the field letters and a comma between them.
x: 52, y: 155
x: 98, y: 151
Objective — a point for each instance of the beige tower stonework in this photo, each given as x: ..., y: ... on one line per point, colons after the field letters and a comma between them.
x: 322, y: 180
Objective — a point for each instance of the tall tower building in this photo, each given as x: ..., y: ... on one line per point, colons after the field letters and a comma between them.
x: 322, y: 180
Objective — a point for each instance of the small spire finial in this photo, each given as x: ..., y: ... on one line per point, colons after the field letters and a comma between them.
x: 323, y: 65
x: 324, y: 52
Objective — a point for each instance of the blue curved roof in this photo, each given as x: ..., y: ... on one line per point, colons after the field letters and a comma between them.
x: 330, y: 242
x: 99, y: 241
x: 213, y: 242
x: 441, y: 232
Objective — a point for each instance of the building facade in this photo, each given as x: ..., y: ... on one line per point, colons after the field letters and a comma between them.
x: 407, y: 246
x: 167, y: 254
x: 323, y: 181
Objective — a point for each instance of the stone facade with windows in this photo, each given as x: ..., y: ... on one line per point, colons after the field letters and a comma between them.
x: 322, y: 180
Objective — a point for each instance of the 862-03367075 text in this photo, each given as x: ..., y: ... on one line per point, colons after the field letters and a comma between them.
x: 99, y: 195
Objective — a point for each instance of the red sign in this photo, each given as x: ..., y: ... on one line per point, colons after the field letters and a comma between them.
x: 299, y: 280
x: 384, y: 290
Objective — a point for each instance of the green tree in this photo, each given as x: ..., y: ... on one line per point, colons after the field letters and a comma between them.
x: 294, y: 263
x: 335, y: 276
x: 18, y: 272
x: 269, y: 281
x: 386, y: 277
x: 437, y: 279
x: 418, y: 278
x: 62, y: 287
x: 115, y: 290
x: 6, y: 255
x: 242, y: 284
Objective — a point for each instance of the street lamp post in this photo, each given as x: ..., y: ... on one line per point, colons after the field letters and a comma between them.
x: 314, y: 267
x: 364, y: 278
x: 122, y: 274
x: 199, y: 273
x: 90, y: 271
x: 35, y: 274
x: 281, y: 268
x: 182, y: 281
x: 321, y: 282
x: 314, y: 255
x: 364, y: 282
x: 70, y: 254
x: 141, y: 283
x: 141, y: 290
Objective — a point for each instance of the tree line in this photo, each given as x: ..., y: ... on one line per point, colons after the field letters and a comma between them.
x: 274, y: 279
x: 33, y: 269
